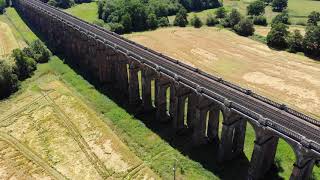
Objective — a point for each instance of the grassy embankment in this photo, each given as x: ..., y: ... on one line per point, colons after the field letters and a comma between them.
x: 148, y: 146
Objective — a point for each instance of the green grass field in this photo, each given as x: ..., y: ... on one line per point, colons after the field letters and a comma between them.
x: 24, y: 31
x: 141, y: 140
x: 85, y: 11
x: 298, y: 10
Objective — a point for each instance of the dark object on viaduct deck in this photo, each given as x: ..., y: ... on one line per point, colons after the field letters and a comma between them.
x: 113, y: 59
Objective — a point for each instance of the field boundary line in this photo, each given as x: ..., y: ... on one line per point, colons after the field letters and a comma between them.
x: 31, y: 155
x: 95, y: 161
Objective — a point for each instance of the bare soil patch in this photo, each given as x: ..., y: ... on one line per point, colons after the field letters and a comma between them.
x: 281, y: 76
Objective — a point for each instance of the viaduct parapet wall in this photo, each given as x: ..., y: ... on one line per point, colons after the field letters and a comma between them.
x: 196, y: 98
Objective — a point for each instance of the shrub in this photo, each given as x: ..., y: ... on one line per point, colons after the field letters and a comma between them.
x: 267, y: 1
x: 256, y: 8
x: 295, y: 41
x: 163, y: 22
x: 281, y: 18
x: 221, y: 12
x: 225, y: 22
x: 53, y: 3
x: 25, y: 65
x: 279, y: 5
x: 181, y: 18
x: 276, y: 38
x: 233, y: 18
x: 98, y: 22
x: 62, y: 3
x: 8, y: 79
x: 117, y: 28
x: 313, y: 18
x: 244, y: 27
x: 38, y: 51
x: 196, y: 22
x: 211, y: 21
x: 126, y: 22
x: 152, y: 21
x: 260, y: 20
x: 311, y: 41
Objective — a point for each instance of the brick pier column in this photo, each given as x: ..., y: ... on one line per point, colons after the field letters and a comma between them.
x: 199, y: 136
x: 191, y: 115
x: 265, y: 147
x: 302, y: 168
x: 146, y: 89
x: 178, y: 106
x: 213, y: 124
x: 161, y: 99
x: 121, y: 74
x: 232, y: 136
x: 134, y: 94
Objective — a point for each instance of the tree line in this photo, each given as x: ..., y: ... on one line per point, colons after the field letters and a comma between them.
x: 138, y: 15
x: 21, y: 66
x: 281, y: 38
x: 234, y: 20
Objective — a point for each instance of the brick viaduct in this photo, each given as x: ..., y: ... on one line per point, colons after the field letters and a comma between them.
x: 114, y: 60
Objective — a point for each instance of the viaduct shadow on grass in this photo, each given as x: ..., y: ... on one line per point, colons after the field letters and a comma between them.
x: 205, y: 154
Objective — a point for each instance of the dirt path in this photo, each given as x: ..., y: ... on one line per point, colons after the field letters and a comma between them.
x: 281, y: 76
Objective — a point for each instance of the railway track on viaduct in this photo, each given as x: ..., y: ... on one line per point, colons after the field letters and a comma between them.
x: 278, y: 118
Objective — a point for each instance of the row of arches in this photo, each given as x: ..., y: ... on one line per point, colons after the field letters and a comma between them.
x: 183, y: 107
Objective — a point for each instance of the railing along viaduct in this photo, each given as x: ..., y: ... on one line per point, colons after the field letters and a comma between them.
x: 112, y: 59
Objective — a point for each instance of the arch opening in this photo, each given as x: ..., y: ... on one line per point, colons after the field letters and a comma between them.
x: 168, y: 97
x: 185, y: 113
x: 140, y: 83
x: 153, y: 92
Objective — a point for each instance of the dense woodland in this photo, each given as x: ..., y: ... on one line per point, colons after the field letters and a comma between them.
x: 138, y: 15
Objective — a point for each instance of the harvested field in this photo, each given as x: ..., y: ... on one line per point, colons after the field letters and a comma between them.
x: 48, y: 133
x: 7, y: 40
x: 281, y: 76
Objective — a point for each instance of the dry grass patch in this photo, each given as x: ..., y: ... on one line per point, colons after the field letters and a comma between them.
x: 65, y: 134
x: 7, y: 40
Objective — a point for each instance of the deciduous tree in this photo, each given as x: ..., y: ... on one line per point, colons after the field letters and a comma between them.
x: 244, y: 27
x: 279, y: 5
x: 256, y: 8
x: 277, y: 37
x: 181, y: 18
x: 196, y: 22
x: 311, y: 41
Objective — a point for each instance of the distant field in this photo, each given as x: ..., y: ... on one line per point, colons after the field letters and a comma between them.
x: 298, y: 10
x: 85, y: 11
x: 277, y: 75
